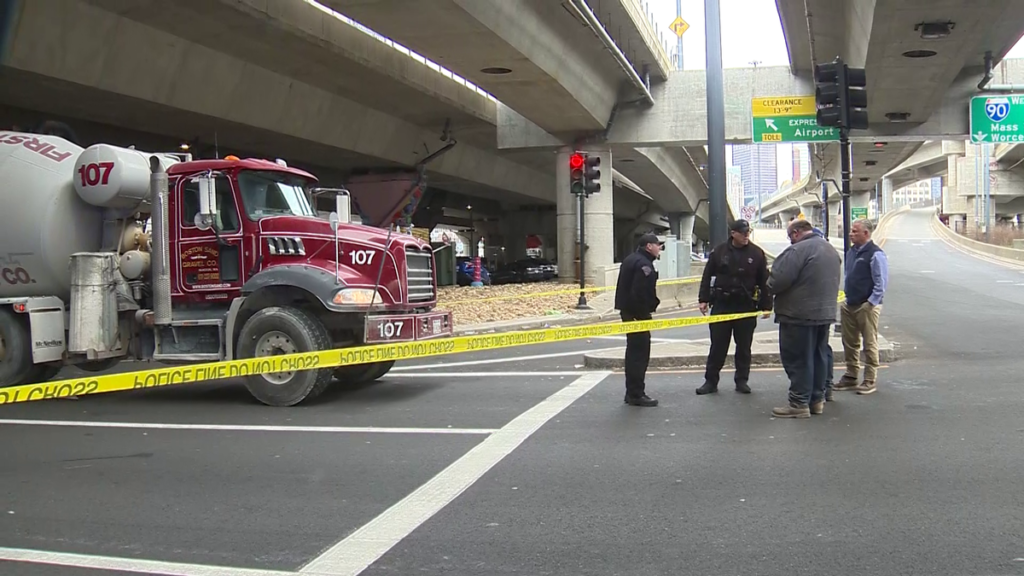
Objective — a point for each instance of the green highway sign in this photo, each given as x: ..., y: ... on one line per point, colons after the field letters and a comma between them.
x: 788, y: 119
x: 858, y: 213
x: 996, y: 119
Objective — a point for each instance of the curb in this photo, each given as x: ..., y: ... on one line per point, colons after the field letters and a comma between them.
x: 558, y: 321
x: 757, y: 360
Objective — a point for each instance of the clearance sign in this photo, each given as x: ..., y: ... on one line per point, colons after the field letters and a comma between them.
x: 782, y: 119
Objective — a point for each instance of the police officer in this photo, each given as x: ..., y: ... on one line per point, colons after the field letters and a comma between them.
x: 636, y: 297
x: 735, y: 281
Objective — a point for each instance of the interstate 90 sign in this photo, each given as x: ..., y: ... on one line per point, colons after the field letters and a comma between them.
x: 997, y: 118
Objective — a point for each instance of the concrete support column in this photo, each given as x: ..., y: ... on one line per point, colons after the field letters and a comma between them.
x: 566, y: 226
x: 600, y: 222
x: 859, y: 200
x: 681, y: 226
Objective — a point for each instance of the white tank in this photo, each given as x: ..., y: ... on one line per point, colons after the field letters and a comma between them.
x: 43, y: 221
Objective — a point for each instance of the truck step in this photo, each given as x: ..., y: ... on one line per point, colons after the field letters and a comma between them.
x: 186, y: 358
x: 199, y: 322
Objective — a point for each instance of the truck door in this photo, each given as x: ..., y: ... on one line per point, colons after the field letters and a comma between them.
x: 209, y: 260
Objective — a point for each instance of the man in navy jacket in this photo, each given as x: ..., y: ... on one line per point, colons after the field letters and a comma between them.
x: 867, y: 276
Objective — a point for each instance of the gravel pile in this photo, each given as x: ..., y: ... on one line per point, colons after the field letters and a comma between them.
x: 470, y: 305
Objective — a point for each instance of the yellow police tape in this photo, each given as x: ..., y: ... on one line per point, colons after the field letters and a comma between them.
x: 195, y: 373
x: 687, y: 280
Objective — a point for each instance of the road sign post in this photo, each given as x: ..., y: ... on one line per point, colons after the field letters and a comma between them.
x: 997, y: 118
x: 780, y: 119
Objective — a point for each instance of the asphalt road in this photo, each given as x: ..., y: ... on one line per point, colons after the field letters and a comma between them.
x: 524, y: 465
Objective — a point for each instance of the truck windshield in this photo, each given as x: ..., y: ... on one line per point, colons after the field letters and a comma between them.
x: 269, y: 193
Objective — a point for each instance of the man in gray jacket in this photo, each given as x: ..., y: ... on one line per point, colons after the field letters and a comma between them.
x: 805, y: 282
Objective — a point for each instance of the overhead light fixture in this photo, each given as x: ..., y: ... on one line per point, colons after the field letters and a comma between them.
x: 897, y: 116
x: 880, y: 144
x: 496, y: 70
x: 870, y: 162
x: 919, y: 53
x: 863, y: 179
x: 934, y: 30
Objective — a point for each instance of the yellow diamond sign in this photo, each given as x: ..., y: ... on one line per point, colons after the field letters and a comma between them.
x: 679, y: 26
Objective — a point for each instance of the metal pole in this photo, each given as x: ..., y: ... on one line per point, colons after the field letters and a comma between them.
x: 716, y: 123
x: 679, y: 39
x: 824, y: 208
x: 844, y: 155
x: 582, y: 304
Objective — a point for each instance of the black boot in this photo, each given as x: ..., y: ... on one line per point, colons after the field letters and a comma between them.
x: 643, y: 400
x: 742, y: 388
x: 707, y: 389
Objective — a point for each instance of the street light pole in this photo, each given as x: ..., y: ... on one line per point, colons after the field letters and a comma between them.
x: 716, y: 123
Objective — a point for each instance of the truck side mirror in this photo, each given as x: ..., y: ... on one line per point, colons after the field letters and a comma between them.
x: 342, y: 206
x: 207, y: 214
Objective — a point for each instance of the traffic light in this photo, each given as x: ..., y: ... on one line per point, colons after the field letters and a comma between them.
x: 576, y: 184
x: 591, y: 174
x: 841, y: 96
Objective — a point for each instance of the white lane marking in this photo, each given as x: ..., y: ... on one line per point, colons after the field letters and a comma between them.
x: 246, y: 428
x: 128, y: 564
x: 927, y: 271
x: 489, y: 374
x: 366, y: 545
x: 497, y: 360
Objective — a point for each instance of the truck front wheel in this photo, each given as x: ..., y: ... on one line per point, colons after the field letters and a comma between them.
x: 277, y: 331
x: 360, y: 373
x: 15, y: 349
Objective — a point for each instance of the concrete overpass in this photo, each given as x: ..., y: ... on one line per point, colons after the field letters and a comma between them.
x: 928, y: 80
x: 258, y: 75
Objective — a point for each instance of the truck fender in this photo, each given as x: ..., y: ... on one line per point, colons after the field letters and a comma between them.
x: 314, y: 280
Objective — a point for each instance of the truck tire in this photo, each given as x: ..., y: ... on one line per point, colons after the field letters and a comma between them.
x: 278, y: 331
x: 40, y: 373
x: 361, y: 373
x: 15, y: 349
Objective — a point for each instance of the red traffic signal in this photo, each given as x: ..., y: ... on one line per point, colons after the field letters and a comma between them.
x: 575, y: 161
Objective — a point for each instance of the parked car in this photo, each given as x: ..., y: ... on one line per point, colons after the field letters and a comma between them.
x: 549, y: 268
x: 516, y: 272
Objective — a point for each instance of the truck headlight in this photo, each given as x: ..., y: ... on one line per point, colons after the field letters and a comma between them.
x: 356, y: 296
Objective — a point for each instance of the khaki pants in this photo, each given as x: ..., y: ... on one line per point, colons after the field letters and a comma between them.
x: 860, y: 322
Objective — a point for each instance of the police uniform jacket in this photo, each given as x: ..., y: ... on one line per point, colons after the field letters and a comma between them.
x: 736, y: 279
x: 636, y: 291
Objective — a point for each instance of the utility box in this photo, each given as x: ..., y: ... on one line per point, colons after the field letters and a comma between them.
x: 444, y: 259
x: 667, y: 264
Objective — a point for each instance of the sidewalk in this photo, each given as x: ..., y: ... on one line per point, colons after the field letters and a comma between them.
x: 694, y: 353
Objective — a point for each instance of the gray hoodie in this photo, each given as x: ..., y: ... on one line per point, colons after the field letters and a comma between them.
x: 805, y: 282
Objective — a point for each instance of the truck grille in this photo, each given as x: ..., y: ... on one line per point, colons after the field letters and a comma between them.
x: 419, y: 267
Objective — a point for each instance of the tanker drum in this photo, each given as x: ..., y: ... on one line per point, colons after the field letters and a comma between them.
x: 43, y: 221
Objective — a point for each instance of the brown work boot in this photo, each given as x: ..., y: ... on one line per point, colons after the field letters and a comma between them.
x: 818, y: 408
x: 792, y: 410
x: 866, y: 387
x: 845, y: 384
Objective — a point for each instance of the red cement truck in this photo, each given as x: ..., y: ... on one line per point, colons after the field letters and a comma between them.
x: 110, y: 253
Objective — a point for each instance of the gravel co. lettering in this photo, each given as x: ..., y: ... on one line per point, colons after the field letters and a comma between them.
x: 14, y: 276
